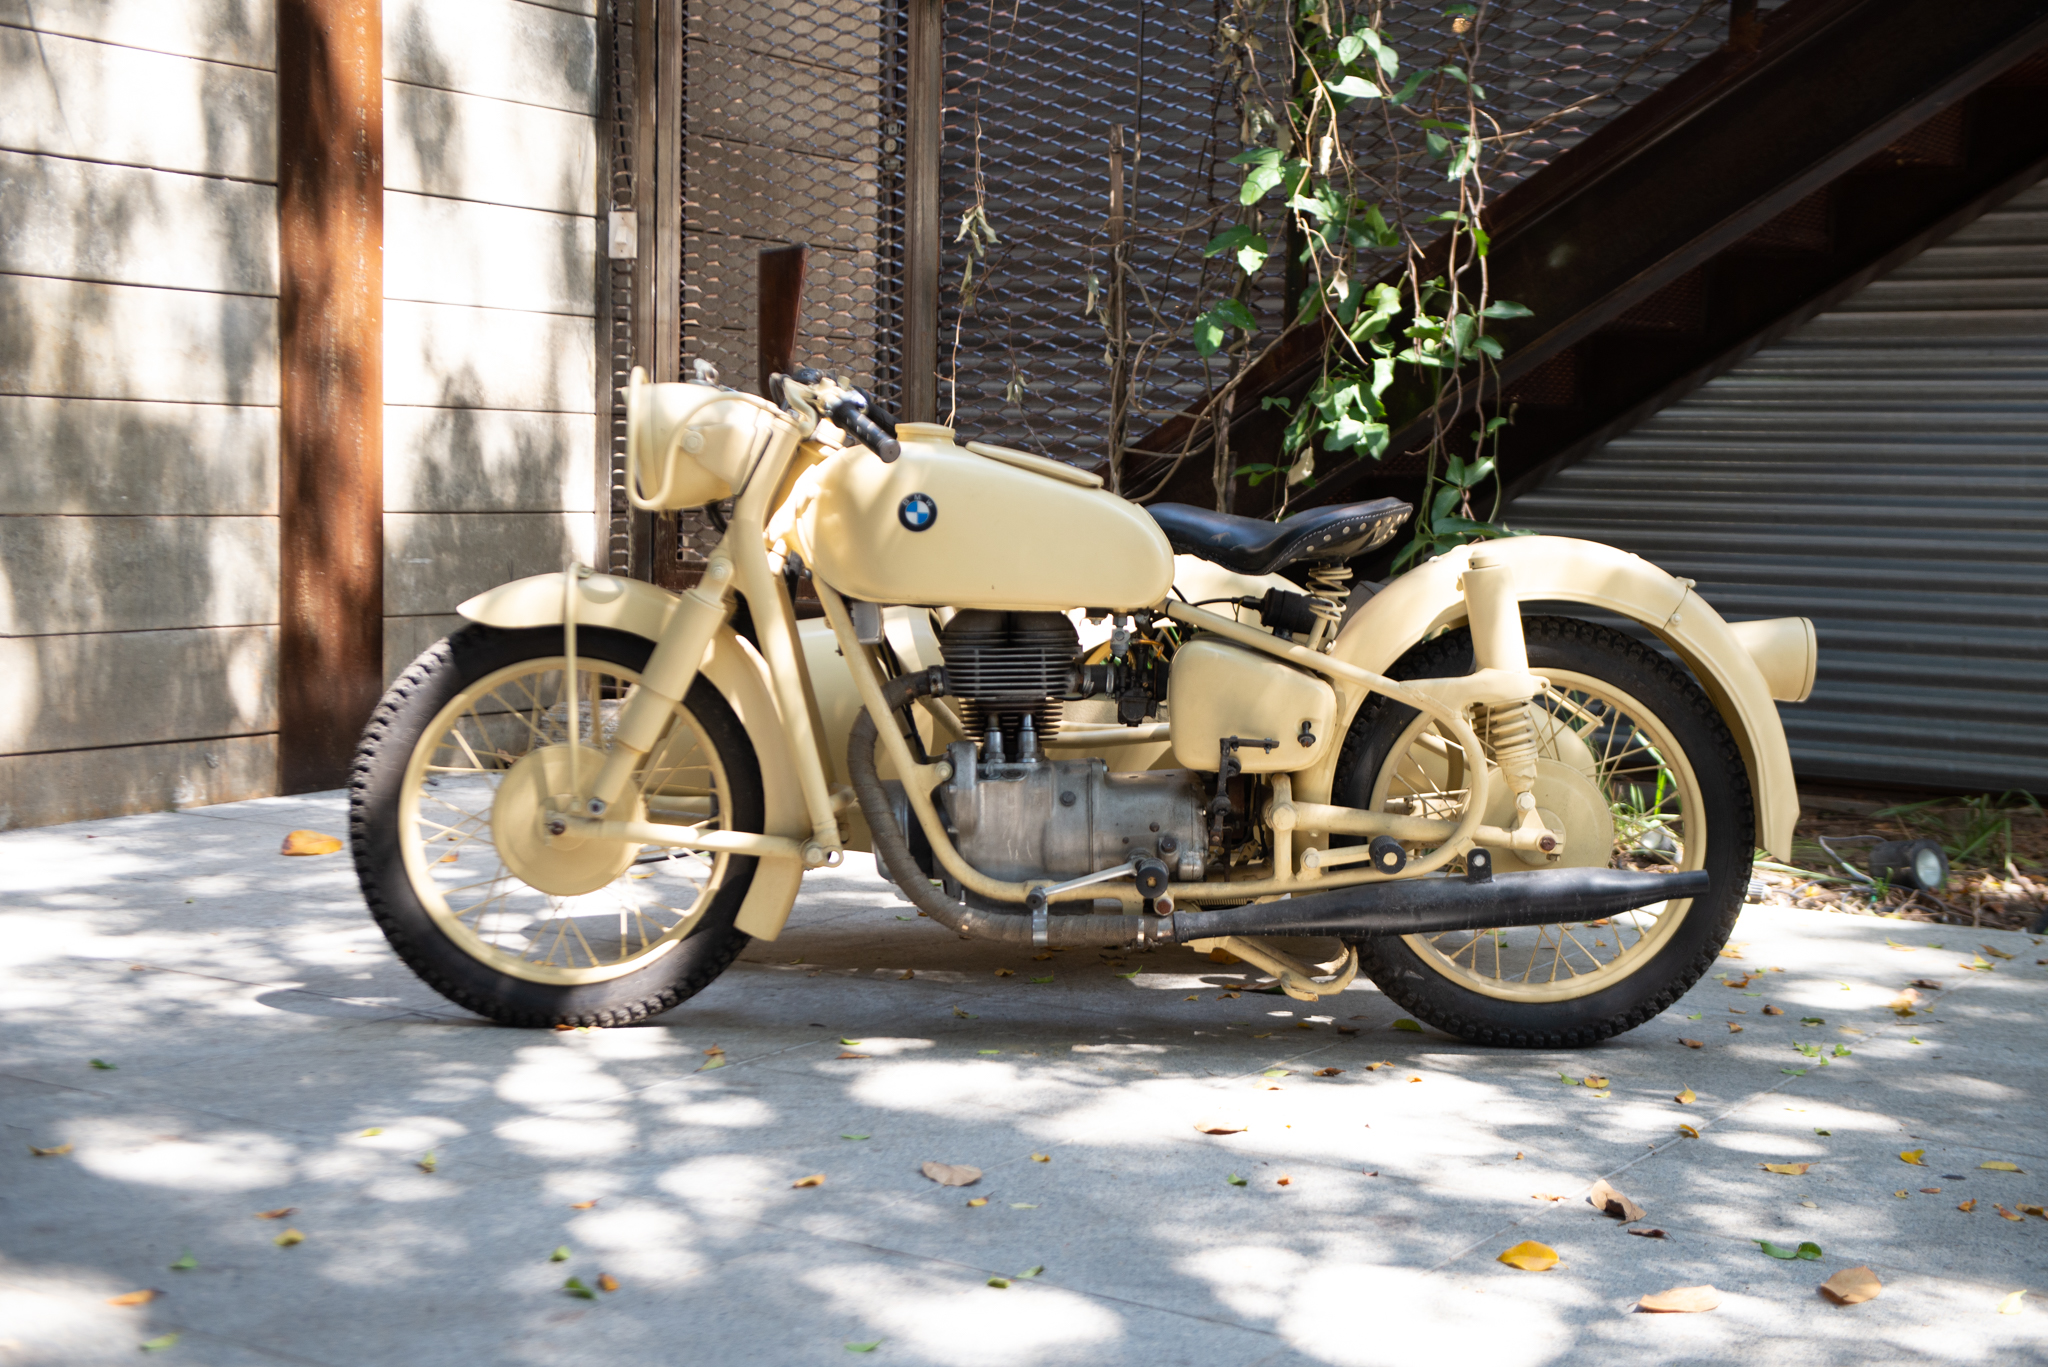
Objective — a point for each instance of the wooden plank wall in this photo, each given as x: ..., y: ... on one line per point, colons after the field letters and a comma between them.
x: 491, y: 243
x: 138, y: 405
x: 139, y: 372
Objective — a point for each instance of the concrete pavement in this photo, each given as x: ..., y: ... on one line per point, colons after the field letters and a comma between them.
x: 258, y: 1030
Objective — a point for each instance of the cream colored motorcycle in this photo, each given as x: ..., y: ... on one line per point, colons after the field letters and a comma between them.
x: 1058, y: 718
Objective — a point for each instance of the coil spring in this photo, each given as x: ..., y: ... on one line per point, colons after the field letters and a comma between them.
x: 1329, y: 589
x: 1512, y: 733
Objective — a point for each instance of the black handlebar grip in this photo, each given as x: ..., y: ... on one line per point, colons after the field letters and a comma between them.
x: 848, y: 414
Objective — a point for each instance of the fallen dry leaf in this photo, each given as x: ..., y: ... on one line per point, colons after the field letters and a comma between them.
x: 1789, y: 1169
x: 1733, y: 1028
x: 57, y: 1152
x: 1327, y: 1072
x: 906, y: 973
x: 951, y: 1174
x: 277, y: 1214
x: 1686, y: 1097
x: 1006, y: 973
x: 2005, y: 1214
x: 1680, y: 1300
x: 2000, y: 1165
x: 1994, y: 953
x: 1903, y: 1004
x: 1852, y: 1286
x: 1041, y: 1158
x: 1219, y: 1127
x: 1917, y: 1157
x: 2035, y: 1210
x: 1530, y: 1256
x: 607, y: 1282
x: 1774, y: 1010
x: 1692, y: 1043
x: 1543, y: 1196
x: 816, y: 1179
x: 1596, y: 1083
x: 288, y: 1238
x: 1283, y: 1180
x: 978, y: 1201
x: 1650, y: 1233
x: 1605, y: 1198
x: 1931, y: 984
x: 1968, y: 1205
x: 1930, y: 1191
x: 1689, y: 1132
x: 582, y: 1205
x: 850, y: 1054
x: 309, y: 842
x: 2011, y: 1304
x: 132, y: 1298
x: 1375, y: 1067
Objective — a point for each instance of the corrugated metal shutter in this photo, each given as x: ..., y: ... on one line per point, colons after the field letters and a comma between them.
x: 1884, y: 471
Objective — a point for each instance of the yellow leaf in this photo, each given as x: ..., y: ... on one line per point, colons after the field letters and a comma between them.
x: 1006, y: 973
x: 978, y: 1201
x: 2005, y: 1214
x: 2000, y: 1165
x: 288, y: 1238
x: 1221, y: 1126
x: 132, y: 1298
x: 1041, y: 1158
x: 309, y: 842
x: 1596, y: 1083
x: 1686, y: 1097
x: 1852, y: 1286
x: 1530, y: 1256
x: 607, y: 1282
x: 816, y: 1179
x: 1680, y: 1300
x: 1968, y: 1206
x: 1375, y: 1067
x: 1914, y: 1156
x: 1689, y: 1132
x: 58, y: 1152
x: 277, y: 1214
x: 1692, y: 1044
x: 850, y: 1054
x: 582, y: 1205
x: 1789, y: 1169
x: 2011, y: 1304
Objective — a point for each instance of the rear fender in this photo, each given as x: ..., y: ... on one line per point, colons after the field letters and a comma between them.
x: 734, y: 668
x: 1550, y: 569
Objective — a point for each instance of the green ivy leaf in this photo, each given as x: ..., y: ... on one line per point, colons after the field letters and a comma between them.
x: 1355, y: 88
x: 1235, y: 1180
x: 1507, y: 308
x: 1349, y: 48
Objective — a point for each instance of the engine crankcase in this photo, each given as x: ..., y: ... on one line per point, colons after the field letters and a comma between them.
x: 1063, y: 818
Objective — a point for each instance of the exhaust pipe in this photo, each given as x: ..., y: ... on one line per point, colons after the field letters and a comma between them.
x: 1430, y: 906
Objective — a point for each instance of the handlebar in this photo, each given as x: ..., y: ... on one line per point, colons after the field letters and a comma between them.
x: 849, y: 411
x: 851, y: 415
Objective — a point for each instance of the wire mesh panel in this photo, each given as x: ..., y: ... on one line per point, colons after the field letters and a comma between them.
x: 792, y: 133
x: 1034, y: 90
x: 1036, y: 93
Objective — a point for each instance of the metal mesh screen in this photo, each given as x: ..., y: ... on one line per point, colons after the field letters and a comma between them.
x: 1032, y: 90
x: 616, y: 329
x: 792, y: 133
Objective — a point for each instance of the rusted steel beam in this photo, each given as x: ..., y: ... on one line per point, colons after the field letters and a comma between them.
x: 330, y: 231
x: 922, y: 133
x: 779, y: 307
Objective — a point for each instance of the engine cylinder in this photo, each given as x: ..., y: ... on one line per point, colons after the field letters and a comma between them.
x: 1005, y: 666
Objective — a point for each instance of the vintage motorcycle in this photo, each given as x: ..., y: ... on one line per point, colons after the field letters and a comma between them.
x: 1058, y: 718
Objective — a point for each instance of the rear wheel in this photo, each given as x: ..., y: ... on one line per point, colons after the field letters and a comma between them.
x: 457, y: 772
x: 1639, y: 769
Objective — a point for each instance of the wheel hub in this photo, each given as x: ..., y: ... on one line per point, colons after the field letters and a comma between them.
x: 1567, y: 800
x: 537, y: 792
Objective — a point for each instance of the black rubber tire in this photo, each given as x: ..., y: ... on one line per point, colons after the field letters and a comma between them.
x: 1728, y: 806
x: 397, y: 726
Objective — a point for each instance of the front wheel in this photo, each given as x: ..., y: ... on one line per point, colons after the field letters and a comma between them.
x: 1637, y: 767
x: 458, y: 772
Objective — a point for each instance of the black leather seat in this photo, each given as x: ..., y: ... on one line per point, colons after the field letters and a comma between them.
x: 1252, y: 546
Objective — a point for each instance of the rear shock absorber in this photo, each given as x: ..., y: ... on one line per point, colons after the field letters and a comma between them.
x: 1329, y: 587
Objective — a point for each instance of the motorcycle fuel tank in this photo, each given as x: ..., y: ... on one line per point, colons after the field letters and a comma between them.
x: 947, y: 526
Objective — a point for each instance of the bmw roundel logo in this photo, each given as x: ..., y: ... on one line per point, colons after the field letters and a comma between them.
x: 917, y: 512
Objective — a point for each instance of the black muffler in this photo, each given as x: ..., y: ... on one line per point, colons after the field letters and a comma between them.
x: 1430, y: 906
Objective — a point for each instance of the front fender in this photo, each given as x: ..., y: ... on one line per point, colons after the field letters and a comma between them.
x: 1551, y: 569
x: 735, y: 669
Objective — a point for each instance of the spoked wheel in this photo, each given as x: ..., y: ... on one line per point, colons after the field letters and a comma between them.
x: 1637, y: 768
x: 459, y: 772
